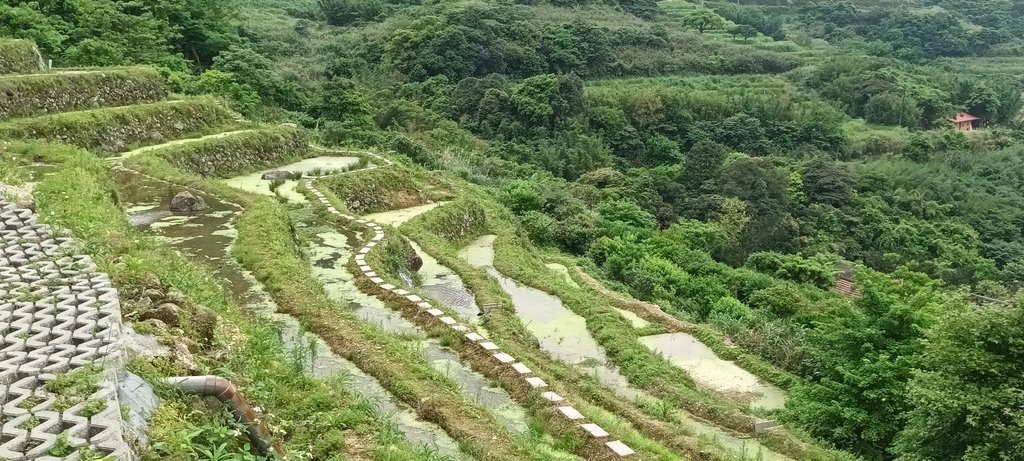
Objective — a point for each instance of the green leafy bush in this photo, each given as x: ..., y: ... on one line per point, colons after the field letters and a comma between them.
x: 121, y: 128
x: 18, y: 57
x: 33, y: 95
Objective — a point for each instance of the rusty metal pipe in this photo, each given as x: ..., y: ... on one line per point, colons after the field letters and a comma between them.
x: 225, y: 391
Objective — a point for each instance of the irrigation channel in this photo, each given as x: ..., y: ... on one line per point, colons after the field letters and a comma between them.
x: 208, y: 235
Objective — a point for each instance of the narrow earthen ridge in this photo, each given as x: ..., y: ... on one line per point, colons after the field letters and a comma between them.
x: 564, y: 408
x: 58, y: 315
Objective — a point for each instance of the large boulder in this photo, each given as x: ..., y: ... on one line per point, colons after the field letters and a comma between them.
x: 277, y: 175
x: 186, y: 202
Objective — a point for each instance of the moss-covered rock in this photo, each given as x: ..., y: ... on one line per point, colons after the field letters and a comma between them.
x: 119, y: 129
x: 18, y: 57
x: 239, y: 153
x: 39, y: 94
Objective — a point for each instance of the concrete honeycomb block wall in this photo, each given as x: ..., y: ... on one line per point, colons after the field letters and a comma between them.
x: 57, y: 314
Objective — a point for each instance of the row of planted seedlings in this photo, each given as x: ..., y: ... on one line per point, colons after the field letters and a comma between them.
x: 644, y: 368
x: 314, y: 419
x: 268, y: 247
x: 545, y: 400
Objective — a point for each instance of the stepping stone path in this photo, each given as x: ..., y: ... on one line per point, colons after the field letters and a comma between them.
x: 57, y: 314
x: 616, y: 448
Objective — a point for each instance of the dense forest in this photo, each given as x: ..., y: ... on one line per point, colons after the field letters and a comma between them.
x: 725, y: 160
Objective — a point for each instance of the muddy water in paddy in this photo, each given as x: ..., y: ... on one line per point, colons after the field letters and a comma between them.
x: 561, y: 332
x: 688, y: 353
x: 255, y: 182
x: 398, y: 217
x: 330, y: 251
x: 445, y: 286
x: 563, y: 271
x: 207, y: 237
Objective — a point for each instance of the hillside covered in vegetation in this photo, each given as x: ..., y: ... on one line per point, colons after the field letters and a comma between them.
x: 780, y: 181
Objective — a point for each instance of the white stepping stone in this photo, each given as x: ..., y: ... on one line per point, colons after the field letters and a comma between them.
x: 387, y: 286
x: 360, y: 257
x: 489, y: 346
x: 447, y: 320
x: 377, y: 280
x: 414, y: 298
x: 378, y: 237
x: 552, y: 397
x: 371, y: 244
x: 504, y: 358
x: 460, y: 328
x: 401, y: 292
x: 363, y: 266
x: 474, y: 337
x: 620, y: 448
x: 332, y: 209
x: 521, y: 368
x: 361, y: 221
x: 435, y: 312
x: 536, y: 382
x: 571, y: 413
x: 369, y: 273
x: 425, y: 306
x: 594, y: 430
x: 364, y: 250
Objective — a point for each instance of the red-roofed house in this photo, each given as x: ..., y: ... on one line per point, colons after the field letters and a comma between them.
x: 964, y: 121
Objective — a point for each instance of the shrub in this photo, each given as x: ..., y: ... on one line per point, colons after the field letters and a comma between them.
x: 19, y: 57
x: 539, y: 227
x: 521, y: 196
x: 819, y: 270
x: 729, y: 307
x: 33, y: 95
x: 780, y: 301
x: 121, y: 128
